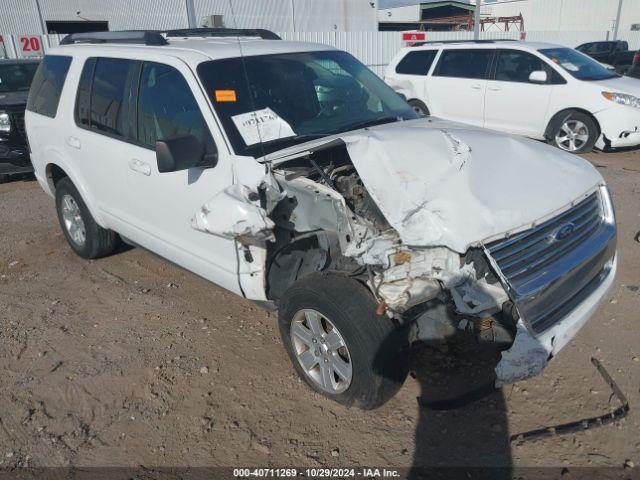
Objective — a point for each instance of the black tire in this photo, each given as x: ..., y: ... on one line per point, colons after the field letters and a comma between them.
x: 563, y: 118
x: 419, y: 107
x: 4, y: 177
x: 99, y: 242
x: 377, y: 348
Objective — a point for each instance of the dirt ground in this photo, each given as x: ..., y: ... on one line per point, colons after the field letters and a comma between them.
x: 129, y: 361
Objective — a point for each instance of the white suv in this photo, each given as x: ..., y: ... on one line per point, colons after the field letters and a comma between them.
x: 289, y: 174
x: 542, y: 91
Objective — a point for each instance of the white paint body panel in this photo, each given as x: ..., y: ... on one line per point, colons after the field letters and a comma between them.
x: 520, y: 108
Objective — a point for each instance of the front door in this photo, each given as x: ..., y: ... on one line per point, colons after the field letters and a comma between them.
x: 513, y: 103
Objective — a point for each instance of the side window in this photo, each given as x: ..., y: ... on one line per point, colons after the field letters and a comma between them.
x: 416, y: 63
x: 516, y: 66
x: 47, y: 84
x: 107, y: 98
x: 167, y: 108
x: 83, y: 99
x: 462, y: 63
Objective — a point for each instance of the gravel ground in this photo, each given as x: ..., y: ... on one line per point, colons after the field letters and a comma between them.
x: 129, y: 361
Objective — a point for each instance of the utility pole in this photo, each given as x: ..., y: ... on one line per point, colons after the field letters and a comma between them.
x: 476, y: 22
x: 617, y: 24
x: 191, y: 14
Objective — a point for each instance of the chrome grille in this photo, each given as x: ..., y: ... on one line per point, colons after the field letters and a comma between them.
x: 555, y: 264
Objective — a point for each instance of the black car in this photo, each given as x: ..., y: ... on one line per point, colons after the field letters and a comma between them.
x: 613, y: 52
x: 15, y: 80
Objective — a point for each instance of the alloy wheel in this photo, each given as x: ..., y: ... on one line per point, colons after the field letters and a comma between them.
x: 572, y: 136
x: 73, y: 222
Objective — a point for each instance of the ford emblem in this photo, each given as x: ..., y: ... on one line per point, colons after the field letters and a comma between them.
x: 562, y: 232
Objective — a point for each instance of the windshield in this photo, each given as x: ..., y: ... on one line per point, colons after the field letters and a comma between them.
x: 16, y: 77
x: 577, y: 64
x: 275, y: 101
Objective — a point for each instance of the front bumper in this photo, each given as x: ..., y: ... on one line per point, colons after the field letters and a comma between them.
x: 530, y: 354
x: 620, y: 126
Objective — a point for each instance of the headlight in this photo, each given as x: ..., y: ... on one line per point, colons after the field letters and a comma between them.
x: 5, y: 122
x: 607, y: 205
x: 622, y: 99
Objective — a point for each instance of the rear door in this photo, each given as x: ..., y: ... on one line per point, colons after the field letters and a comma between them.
x: 513, y: 103
x: 457, y: 86
x: 410, y: 75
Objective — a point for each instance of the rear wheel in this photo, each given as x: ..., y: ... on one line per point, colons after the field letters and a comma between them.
x: 419, y: 107
x: 338, y: 345
x: 84, y: 235
x: 574, y: 132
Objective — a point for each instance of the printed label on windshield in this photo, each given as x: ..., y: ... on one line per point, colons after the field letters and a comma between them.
x: 262, y: 126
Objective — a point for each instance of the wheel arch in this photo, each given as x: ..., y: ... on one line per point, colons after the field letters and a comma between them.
x: 55, y: 171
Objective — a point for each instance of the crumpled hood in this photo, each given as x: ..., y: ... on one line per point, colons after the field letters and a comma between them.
x: 440, y: 183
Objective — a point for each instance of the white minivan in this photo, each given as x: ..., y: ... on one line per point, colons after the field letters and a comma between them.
x: 540, y: 90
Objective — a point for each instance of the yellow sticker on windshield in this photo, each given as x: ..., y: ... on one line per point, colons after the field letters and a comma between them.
x: 226, y: 96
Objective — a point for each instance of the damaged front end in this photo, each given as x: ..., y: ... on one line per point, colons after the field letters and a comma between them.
x: 413, y: 237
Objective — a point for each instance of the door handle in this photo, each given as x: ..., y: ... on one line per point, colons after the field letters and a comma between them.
x: 139, y: 166
x: 495, y: 89
x: 476, y: 86
x: 73, y: 142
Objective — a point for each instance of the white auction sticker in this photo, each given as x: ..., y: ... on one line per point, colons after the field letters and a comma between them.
x: 262, y: 126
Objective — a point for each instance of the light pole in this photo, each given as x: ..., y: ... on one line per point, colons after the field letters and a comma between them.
x: 476, y: 22
x: 617, y: 24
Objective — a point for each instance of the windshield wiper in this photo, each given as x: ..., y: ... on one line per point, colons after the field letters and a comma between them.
x: 370, y: 123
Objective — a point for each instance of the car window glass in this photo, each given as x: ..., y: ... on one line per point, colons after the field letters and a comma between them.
x: 416, y: 63
x: 107, y: 95
x: 83, y: 100
x: 16, y: 77
x: 462, y: 63
x: 517, y: 66
x: 47, y: 84
x: 167, y: 108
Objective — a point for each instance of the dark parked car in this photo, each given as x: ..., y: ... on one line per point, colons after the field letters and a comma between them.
x: 615, y: 53
x: 15, y: 80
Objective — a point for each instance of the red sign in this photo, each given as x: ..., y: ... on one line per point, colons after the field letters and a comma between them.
x: 30, y: 46
x: 414, y: 37
x: 523, y: 36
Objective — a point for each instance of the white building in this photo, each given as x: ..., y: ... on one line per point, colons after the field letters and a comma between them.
x: 31, y: 17
x: 567, y: 15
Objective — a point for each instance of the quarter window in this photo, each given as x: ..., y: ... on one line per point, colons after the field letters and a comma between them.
x: 108, y: 95
x: 46, y: 88
x: 461, y: 63
x: 167, y: 108
x: 83, y: 101
x: 416, y: 63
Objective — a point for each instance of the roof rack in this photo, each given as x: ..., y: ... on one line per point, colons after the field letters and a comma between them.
x: 223, y: 32
x: 140, y: 37
x: 440, y: 42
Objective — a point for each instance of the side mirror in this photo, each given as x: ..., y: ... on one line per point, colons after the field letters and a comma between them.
x: 539, y: 76
x: 181, y: 153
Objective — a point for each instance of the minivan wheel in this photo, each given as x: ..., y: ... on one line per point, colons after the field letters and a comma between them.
x: 419, y: 107
x: 84, y: 235
x: 338, y: 344
x: 575, y: 133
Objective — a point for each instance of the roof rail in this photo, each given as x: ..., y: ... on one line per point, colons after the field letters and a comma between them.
x: 440, y: 42
x: 140, y: 37
x: 223, y: 32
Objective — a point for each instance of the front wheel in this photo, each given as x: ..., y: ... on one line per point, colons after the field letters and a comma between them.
x: 338, y: 344
x: 575, y: 132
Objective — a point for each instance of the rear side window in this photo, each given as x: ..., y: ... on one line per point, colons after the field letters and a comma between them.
x: 167, y: 107
x: 416, y: 63
x: 110, y: 80
x: 83, y: 101
x: 461, y: 63
x: 47, y: 84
